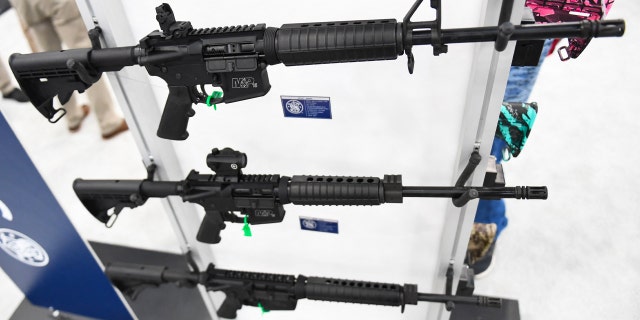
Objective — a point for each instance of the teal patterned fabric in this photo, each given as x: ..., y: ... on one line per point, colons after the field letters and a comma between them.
x: 515, y: 123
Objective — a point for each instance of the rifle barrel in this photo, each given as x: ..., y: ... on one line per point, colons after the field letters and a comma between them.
x: 473, y: 300
x: 483, y: 192
x: 584, y: 29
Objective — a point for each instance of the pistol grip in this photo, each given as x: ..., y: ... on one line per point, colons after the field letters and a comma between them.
x: 230, y: 306
x: 176, y: 114
x: 210, y: 227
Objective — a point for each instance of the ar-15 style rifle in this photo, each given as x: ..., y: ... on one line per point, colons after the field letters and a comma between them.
x: 260, y: 198
x: 279, y: 291
x: 235, y: 58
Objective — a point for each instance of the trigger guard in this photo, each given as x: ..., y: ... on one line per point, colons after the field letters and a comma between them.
x: 232, y: 217
x: 197, y: 96
x: 215, y: 100
x: 204, y: 96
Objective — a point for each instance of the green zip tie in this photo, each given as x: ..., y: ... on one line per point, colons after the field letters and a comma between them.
x: 262, y: 308
x: 215, y: 95
x: 246, y: 228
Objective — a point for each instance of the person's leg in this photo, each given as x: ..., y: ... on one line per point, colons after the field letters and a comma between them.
x: 5, y: 80
x: 9, y: 91
x: 519, y: 86
x: 520, y: 83
x: 70, y: 28
x: 491, y: 216
x: 47, y: 39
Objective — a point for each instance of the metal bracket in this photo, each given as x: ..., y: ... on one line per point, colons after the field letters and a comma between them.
x: 448, y: 289
x: 151, y: 171
x: 466, y: 285
x: 94, y: 36
x: 474, y: 161
x: 436, y: 31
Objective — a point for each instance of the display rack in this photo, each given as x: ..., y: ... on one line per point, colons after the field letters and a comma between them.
x: 486, y: 88
x: 143, y: 120
x: 487, y: 84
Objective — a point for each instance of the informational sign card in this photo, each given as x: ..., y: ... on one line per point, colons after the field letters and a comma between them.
x: 320, y: 225
x: 306, y: 107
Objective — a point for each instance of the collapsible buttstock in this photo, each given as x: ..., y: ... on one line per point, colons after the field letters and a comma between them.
x: 105, y: 198
x: 43, y: 76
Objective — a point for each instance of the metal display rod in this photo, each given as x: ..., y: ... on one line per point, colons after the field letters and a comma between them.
x: 139, y: 105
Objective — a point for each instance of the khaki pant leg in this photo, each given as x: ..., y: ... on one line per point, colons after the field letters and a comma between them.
x: 67, y: 24
x: 74, y: 35
x: 45, y: 36
x: 5, y: 79
x: 104, y: 105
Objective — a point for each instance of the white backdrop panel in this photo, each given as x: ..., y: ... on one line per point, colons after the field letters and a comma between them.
x: 384, y: 121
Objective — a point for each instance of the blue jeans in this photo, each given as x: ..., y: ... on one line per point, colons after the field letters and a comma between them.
x: 519, y: 87
x: 521, y: 79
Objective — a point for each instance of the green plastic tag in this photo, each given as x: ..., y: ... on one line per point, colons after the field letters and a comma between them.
x: 262, y: 308
x: 215, y: 95
x: 246, y: 228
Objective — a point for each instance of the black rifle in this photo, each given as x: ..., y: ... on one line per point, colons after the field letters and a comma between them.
x: 279, y: 291
x: 261, y: 197
x: 235, y: 58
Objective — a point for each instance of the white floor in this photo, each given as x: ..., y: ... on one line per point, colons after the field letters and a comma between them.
x: 571, y: 257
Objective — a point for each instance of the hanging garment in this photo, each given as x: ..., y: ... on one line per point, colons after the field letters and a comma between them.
x: 553, y: 11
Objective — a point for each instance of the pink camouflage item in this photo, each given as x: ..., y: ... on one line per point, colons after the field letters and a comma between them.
x: 553, y: 11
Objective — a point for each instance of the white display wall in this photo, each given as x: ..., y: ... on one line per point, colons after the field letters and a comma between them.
x: 381, y: 118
